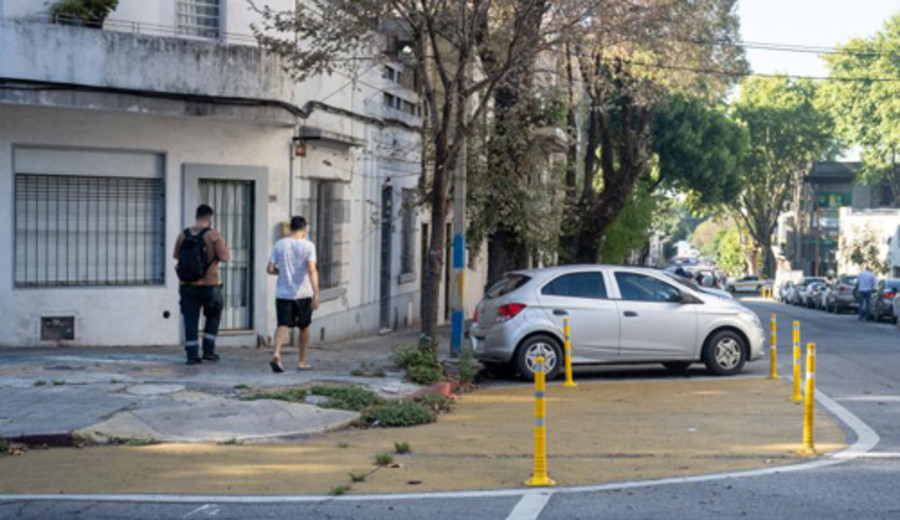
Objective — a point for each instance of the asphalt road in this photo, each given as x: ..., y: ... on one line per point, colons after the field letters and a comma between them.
x: 858, y: 365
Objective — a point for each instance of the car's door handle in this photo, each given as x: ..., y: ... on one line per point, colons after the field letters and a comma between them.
x: 560, y: 312
x: 630, y: 314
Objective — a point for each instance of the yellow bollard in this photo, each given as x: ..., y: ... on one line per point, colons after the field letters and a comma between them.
x: 773, y: 349
x: 567, y: 330
x: 798, y: 395
x: 540, y: 477
x: 809, y: 406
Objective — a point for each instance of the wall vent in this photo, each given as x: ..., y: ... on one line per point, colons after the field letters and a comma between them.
x: 57, y: 328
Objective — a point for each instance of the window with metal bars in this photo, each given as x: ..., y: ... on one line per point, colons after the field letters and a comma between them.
x: 199, y: 18
x: 322, y: 229
x: 408, y: 232
x: 88, y: 231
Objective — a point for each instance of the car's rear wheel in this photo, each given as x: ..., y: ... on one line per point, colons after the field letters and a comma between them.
x: 679, y: 367
x: 532, y: 348
x: 725, y: 353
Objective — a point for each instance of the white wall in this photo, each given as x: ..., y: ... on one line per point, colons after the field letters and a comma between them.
x: 123, y: 315
x: 883, y: 223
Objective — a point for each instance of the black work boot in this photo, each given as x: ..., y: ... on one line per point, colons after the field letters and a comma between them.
x: 192, y: 357
x: 210, y: 356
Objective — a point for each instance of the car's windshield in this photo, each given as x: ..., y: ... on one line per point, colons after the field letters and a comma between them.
x: 683, y: 281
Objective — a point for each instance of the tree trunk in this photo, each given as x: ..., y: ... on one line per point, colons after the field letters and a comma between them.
x: 434, y: 260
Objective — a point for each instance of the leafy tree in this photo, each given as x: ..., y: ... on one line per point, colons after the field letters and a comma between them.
x: 700, y: 151
x: 632, y: 227
x: 628, y: 60
x: 445, y: 40
x: 787, y: 132
x: 866, y: 109
x: 728, y: 251
x: 863, y: 250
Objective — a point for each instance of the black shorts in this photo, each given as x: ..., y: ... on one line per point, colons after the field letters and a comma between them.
x: 294, y: 313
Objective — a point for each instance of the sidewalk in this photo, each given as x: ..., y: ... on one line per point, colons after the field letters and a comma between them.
x: 598, y: 432
x: 50, y: 393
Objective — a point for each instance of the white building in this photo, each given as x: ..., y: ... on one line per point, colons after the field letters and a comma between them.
x: 110, y: 138
x: 876, y: 226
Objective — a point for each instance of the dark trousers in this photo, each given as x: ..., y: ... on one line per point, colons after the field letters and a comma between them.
x: 865, y: 310
x: 195, y: 298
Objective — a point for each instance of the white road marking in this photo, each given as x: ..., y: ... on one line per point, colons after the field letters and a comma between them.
x: 871, y: 398
x: 530, y: 507
x: 208, y: 510
x: 869, y: 455
x: 866, y: 439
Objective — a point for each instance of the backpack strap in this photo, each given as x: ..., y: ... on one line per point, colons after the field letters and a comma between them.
x: 200, y: 236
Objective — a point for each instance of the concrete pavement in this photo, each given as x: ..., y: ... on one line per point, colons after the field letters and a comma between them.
x: 148, y: 393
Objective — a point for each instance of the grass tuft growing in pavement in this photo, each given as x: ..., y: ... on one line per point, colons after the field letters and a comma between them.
x: 241, y: 387
x: 347, y: 397
x: 384, y: 459
x: 232, y: 442
x: 402, y: 448
x: 138, y: 441
x: 437, y: 403
x: 292, y: 395
x: 357, y: 477
x: 421, y: 364
x: 58, y: 382
x: 40, y: 382
x: 398, y: 414
x: 340, y: 489
x: 366, y: 370
x: 343, y: 445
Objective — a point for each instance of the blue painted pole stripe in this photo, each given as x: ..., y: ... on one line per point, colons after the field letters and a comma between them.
x: 539, y: 395
x: 538, y: 422
x: 538, y: 368
x: 457, y: 322
x: 459, y: 250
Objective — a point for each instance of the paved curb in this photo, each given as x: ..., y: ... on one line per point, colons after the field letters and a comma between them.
x: 866, y: 439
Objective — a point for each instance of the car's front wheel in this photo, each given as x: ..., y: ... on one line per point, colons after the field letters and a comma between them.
x: 725, y: 353
x: 532, y: 348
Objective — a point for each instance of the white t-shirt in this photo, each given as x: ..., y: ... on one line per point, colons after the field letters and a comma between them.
x: 292, y: 257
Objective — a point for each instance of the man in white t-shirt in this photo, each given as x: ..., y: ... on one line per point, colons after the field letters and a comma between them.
x: 293, y: 260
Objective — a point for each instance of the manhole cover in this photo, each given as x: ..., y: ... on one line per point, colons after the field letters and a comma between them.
x: 154, y: 389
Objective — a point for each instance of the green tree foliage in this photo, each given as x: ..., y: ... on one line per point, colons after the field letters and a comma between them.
x: 862, y: 249
x: 787, y: 132
x: 866, y: 111
x: 728, y: 254
x: 629, y: 60
x: 700, y: 151
x: 632, y: 227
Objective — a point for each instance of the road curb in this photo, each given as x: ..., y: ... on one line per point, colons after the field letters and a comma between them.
x: 866, y: 439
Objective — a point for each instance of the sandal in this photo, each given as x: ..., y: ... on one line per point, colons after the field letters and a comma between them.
x: 276, y: 366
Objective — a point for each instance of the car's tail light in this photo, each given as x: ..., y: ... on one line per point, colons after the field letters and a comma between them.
x: 475, y: 316
x: 889, y: 295
x: 509, y: 311
x: 843, y: 289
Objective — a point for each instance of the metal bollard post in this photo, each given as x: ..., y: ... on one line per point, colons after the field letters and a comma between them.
x: 773, y: 349
x: 540, y: 476
x: 567, y: 330
x: 809, y: 406
x: 798, y: 394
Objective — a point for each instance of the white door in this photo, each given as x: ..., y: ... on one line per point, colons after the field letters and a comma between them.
x: 582, y: 297
x: 655, y: 324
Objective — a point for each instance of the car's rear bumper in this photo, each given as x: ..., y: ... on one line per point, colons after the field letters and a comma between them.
x: 494, y: 345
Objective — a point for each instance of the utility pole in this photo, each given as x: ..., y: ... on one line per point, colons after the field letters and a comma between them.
x: 458, y: 311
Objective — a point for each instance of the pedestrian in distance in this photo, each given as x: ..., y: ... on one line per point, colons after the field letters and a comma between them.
x: 865, y: 285
x: 293, y: 261
x: 198, y: 250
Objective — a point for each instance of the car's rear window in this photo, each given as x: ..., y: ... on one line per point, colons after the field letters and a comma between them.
x: 508, y: 284
x: 577, y: 285
x: 893, y: 284
x: 848, y: 280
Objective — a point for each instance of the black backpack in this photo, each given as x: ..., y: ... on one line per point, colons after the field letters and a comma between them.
x: 192, y: 258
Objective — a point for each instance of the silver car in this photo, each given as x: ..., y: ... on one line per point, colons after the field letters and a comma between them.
x: 617, y: 314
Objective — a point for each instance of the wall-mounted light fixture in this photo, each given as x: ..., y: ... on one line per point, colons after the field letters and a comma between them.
x: 299, y: 147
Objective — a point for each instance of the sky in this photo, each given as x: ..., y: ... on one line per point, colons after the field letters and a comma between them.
x: 820, y: 23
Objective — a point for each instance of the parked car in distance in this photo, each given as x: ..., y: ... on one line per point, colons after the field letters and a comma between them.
x: 801, y: 290
x: 784, y: 291
x: 749, y: 283
x: 813, y: 294
x: 841, y: 298
x: 883, y: 299
x: 618, y: 315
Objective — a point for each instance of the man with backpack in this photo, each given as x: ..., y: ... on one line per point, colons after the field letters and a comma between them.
x: 198, y: 250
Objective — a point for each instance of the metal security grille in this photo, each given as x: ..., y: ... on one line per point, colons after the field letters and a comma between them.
x: 408, y: 232
x: 199, y: 18
x: 387, y: 233
x: 233, y: 203
x: 322, y: 231
x: 87, y: 231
